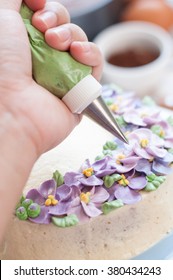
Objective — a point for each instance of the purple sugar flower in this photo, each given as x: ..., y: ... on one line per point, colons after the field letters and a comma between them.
x: 134, y: 117
x: 123, y: 160
x: 88, y: 203
x: 141, y: 116
x: 146, y: 144
x: 108, y: 92
x: 160, y: 166
x: 43, y: 218
x: 90, y: 174
x: 128, y: 189
x: 120, y: 102
x: 164, y: 130
x: 53, y: 200
x: 169, y: 141
x: 144, y: 166
x: 126, y: 164
x: 153, y: 118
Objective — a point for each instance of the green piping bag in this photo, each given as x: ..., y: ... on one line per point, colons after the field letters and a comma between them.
x: 69, y: 80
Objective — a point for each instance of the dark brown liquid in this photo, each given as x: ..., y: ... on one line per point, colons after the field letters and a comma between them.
x: 133, y: 58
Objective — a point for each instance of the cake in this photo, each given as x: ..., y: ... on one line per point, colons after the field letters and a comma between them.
x: 83, y: 201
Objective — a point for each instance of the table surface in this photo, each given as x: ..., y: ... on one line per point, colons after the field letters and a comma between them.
x: 163, y: 250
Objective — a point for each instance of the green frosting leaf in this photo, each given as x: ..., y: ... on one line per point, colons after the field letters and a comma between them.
x: 67, y: 221
x: 150, y: 177
x: 99, y: 157
x: 109, y: 180
x: 107, y: 207
x: 157, y: 129
x: 120, y: 121
x: 57, y: 71
x: 107, y: 153
x: 58, y: 177
x: 109, y: 145
x: 148, y: 101
x: 170, y: 150
x: 20, y: 201
x: 154, y: 182
x: 170, y: 120
x: 21, y: 213
x: 150, y: 187
x: 109, y: 102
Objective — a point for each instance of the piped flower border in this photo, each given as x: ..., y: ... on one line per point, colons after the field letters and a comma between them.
x: 118, y: 174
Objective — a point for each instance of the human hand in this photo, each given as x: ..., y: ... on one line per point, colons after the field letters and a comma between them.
x: 41, y: 116
x: 32, y: 120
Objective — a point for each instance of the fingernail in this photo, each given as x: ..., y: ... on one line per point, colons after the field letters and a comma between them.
x: 49, y: 18
x: 63, y: 33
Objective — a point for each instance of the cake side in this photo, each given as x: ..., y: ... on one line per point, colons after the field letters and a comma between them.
x: 122, y: 234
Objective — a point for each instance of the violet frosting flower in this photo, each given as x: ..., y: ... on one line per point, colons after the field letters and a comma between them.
x: 88, y: 203
x: 120, y: 102
x: 127, y: 189
x: 146, y: 144
x: 90, y: 174
x: 164, y: 130
x: 53, y: 200
x: 153, y: 118
x: 159, y: 166
x: 123, y: 160
x: 134, y: 117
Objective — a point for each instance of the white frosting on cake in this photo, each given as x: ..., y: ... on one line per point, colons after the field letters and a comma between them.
x: 84, y: 142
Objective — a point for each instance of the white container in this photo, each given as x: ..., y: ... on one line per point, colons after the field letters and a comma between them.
x: 120, y: 37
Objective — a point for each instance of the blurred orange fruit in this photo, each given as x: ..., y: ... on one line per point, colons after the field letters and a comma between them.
x: 155, y: 11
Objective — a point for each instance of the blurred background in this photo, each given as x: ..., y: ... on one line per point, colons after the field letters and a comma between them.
x: 94, y: 16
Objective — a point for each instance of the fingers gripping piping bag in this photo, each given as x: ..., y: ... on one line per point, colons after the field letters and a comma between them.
x: 68, y: 79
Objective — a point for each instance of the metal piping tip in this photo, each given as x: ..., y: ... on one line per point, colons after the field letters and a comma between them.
x: 100, y: 113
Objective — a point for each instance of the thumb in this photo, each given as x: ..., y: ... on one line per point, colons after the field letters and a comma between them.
x: 15, y: 4
x: 12, y: 4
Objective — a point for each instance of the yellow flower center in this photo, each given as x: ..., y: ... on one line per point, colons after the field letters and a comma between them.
x: 144, y: 142
x: 143, y: 115
x: 151, y: 159
x: 114, y: 107
x: 123, y: 181
x: 119, y: 98
x: 119, y: 157
x: 162, y: 133
x: 88, y: 172
x: 85, y: 197
x: 51, y: 201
